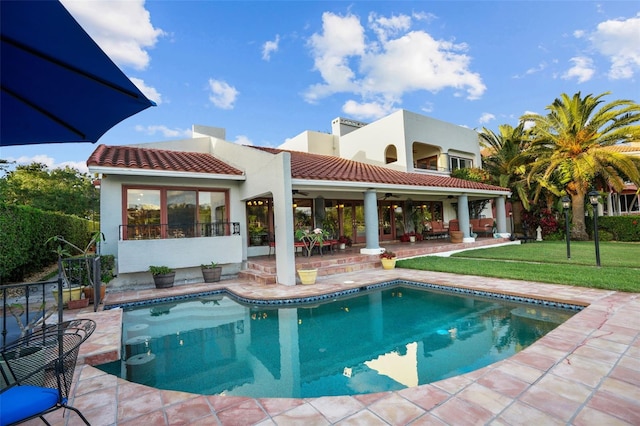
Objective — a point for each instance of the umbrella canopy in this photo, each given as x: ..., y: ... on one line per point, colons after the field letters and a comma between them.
x: 57, y: 84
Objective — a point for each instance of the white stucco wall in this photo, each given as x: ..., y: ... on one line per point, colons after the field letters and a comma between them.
x: 168, y: 252
x: 314, y: 142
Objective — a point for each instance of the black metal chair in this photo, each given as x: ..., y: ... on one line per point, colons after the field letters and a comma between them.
x: 37, y: 371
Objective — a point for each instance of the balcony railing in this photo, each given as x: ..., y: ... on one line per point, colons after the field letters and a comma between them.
x: 164, y: 231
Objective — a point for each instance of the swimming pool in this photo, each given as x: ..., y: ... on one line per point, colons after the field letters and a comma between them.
x: 369, y: 340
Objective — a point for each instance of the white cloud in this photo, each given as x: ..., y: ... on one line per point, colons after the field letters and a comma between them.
x: 619, y: 40
x: 50, y: 162
x: 582, y: 69
x: 164, y: 131
x: 367, y: 110
x: 579, y: 33
x: 270, y: 47
x: 529, y: 124
x: 486, y: 117
x: 123, y: 29
x: 148, y: 91
x: 397, y: 61
x: 222, y: 94
x: 243, y: 140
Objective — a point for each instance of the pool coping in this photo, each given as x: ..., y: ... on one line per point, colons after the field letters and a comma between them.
x: 591, y: 358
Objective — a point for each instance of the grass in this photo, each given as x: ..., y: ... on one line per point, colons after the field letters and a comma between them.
x: 546, y: 262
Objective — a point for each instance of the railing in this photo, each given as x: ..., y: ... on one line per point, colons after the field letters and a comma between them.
x: 29, y: 303
x: 164, y: 231
x: 77, y: 271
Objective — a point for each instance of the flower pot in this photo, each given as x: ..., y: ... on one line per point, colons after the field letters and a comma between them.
x: 342, y: 246
x: 88, y: 293
x: 211, y: 275
x: 412, y: 238
x: 456, y: 236
x: 308, y: 276
x: 68, y: 294
x: 164, y: 280
x: 78, y: 304
x: 388, y: 263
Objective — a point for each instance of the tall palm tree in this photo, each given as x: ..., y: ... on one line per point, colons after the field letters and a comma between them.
x: 506, y: 159
x: 568, y: 144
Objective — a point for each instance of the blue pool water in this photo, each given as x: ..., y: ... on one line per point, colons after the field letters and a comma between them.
x: 373, y: 341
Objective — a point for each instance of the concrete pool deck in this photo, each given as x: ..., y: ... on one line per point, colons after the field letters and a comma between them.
x: 585, y: 372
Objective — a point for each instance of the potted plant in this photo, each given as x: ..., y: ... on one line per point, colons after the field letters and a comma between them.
x: 256, y: 232
x: 344, y: 242
x: 211, y: 272
x: 308, y: 276
x: 107, y: 264
x: 163, y: 276
x: 388, y: 259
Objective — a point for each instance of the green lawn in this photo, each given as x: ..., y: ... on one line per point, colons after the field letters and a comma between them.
x: 546, y: 262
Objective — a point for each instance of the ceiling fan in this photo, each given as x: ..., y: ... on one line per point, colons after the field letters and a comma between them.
x: 389, y: 195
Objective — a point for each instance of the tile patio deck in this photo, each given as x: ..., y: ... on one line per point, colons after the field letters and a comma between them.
x: 585, y: 372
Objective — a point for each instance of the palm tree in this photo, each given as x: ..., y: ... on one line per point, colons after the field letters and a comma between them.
x: 506, y: 159
x: 568, y: 144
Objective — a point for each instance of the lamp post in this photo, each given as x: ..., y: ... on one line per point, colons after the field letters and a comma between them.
x: 593, y: 199
x: 512, y: 237
x: 566, y: 203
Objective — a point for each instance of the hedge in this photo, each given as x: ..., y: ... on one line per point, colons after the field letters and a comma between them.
x: 622, y: 228
x: 23, y: 233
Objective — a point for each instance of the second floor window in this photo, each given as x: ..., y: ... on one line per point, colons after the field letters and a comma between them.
x: 460, y: 163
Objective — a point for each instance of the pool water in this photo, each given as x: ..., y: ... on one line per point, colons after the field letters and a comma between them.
x: 378, y: 341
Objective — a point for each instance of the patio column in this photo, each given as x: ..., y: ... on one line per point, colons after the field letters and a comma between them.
x: 463, y: 218
x: 371, y: 227
x: 501, y: 217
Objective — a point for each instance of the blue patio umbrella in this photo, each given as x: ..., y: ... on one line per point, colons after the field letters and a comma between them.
x: 57, y: 84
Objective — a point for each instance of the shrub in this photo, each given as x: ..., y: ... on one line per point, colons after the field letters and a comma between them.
x: 622, y: 228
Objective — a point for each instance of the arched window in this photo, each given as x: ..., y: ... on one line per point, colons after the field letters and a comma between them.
x: 390, y: 154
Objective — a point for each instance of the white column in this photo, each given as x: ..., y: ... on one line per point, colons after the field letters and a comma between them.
x: 463, y: 218
x: 371, y: 228
x: 501, y: 217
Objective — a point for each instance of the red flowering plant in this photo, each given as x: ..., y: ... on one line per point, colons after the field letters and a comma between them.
x: 544, y: 218
x: 387, y: 255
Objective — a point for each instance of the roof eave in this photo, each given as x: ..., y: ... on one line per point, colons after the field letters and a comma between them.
x: 124, y: 171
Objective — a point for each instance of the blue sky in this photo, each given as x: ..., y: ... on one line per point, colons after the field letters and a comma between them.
x: 268, y: 70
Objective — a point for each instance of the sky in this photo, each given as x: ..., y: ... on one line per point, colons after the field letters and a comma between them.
x: 269, y: 70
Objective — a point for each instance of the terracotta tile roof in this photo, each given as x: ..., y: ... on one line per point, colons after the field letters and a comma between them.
x: 325, y: 167
x: 158, y: 159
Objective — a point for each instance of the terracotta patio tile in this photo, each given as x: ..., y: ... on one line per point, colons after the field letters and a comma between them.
x: 304, y: 414
x: 484, y: 397
x: 275, y: 406
x: 626, y: 375
x: 425, y: 397
x: 523, y: 414
x: 336, y: 408
x: 550, y: 403
x: 581, y: 370
x: 503, y: 383
x: 245, y: 413
x: 396, y: 410
x: 135, y: 407
x: 459, y: 412
x: 522, y: 366
x: 624, y: 409
x: 589, y: 417
x: 569, y: 389
x: 362, y: 418
x: 151, y: 418
x: 428, y: 419
x: 188, y: 411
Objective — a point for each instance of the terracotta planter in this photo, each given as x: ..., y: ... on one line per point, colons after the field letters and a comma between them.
x: 164, y: 280
x: 78, y: 304
x: 211, y: 275
x: 456, y: 236
x: 388, y: 263
x: 308, y: 276
x: 88, y: 293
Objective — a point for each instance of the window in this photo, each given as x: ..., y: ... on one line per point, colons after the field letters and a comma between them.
x: 390, y: 154
x: 460, y: 163
x: 428, y: 163
x: 174, y: 213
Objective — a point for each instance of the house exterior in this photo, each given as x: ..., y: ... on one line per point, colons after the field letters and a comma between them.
x: 189, y: 202
x: 627, y: 201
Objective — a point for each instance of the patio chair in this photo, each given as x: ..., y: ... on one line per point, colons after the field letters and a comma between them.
x: 37, y: 371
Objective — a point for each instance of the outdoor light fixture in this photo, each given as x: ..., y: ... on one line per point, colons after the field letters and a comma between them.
x: 566, y: 203
x: 593, y: 199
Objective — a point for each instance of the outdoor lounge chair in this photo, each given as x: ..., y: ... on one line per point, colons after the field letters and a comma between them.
x: 37, y: 371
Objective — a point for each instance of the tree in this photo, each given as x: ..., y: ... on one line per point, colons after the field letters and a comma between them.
x: 507, y: 159
x: 62, y: 190
x: 567, y: 148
